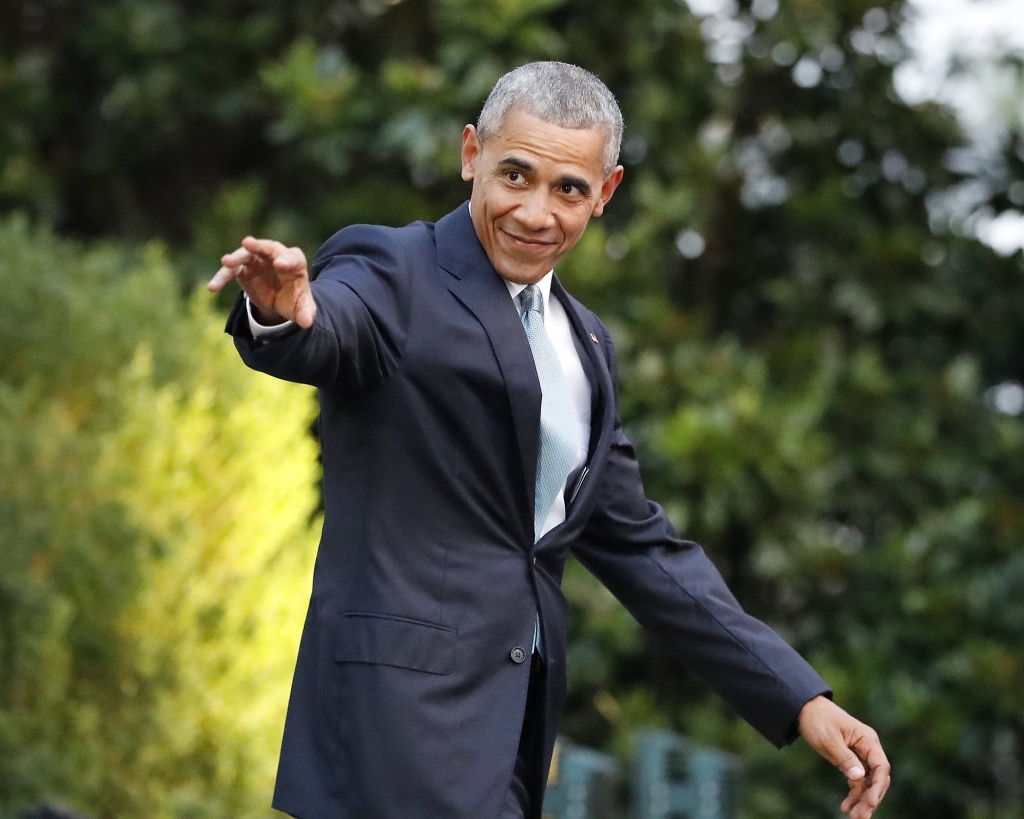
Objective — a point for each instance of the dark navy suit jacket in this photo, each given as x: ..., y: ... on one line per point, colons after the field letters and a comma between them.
x: 408, y: 699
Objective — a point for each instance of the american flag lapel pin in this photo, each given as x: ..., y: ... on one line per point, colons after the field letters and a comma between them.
x: 593, y: 337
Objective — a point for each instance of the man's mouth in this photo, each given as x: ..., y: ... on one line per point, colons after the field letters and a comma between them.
x: 526, y: 244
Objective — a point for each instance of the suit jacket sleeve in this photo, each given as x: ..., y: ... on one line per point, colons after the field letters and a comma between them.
x: 361, y: 289
x: 675, y: 591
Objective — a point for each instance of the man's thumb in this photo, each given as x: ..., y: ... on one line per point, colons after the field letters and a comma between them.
x: 305, y: 311
x: 850, y: 765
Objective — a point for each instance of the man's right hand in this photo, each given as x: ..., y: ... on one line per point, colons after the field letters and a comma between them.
x: 275, y: 279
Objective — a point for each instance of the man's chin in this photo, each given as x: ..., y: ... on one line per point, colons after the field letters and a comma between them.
x: 525, y: 274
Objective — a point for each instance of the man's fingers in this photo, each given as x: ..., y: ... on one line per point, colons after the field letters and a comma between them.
x: 264, y: 259
x: 879, y: 785
x: 220, y: 278
x: 837, y: 749
x: 862, y: 810
x: 305, y: 310
x: 233, y: 265
x: 866, y: 791
x: 235, y: 257
x: 267, y: 248
x: 292, y: 260
x: 865, y: 795
x: 285, y: 259
x: 857, y: 787
x: 869, y: 748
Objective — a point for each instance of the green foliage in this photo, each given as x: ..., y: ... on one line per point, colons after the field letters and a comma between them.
x: 153, y: 571
x: 807, y: 358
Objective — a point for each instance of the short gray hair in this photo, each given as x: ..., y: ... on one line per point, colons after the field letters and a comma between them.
x: 562, y: 94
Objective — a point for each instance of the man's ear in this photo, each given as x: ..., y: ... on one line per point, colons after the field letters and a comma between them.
x: 470, y: 151
x: 611, y: 182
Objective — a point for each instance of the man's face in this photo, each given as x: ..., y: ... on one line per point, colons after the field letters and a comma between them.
x: 535, y: 187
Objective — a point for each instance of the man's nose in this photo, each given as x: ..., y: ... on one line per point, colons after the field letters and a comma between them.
x: 535, y: 213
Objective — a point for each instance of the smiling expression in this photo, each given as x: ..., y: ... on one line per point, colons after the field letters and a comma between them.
x: 535, y: 187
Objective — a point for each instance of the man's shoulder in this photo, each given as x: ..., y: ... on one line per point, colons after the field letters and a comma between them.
x: 367, y: 235
x: 389, y: 245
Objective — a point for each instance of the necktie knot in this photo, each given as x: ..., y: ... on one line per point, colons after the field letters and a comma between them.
x: 532, y: 299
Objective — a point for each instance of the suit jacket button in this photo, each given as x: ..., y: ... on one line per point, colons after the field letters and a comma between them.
x: 518, y: 655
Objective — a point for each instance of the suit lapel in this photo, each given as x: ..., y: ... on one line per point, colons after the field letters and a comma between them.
x: 476, y: 284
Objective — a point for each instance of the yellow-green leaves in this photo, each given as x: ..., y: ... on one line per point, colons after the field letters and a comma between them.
x: 156, y: 502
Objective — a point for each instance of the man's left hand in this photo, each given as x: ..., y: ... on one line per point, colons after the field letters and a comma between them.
x: 851, y: 746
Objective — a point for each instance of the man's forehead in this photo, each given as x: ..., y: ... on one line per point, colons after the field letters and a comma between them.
x: 525, y: 140
x: 517, y: 120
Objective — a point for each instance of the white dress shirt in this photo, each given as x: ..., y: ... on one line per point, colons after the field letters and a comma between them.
x: 556, y: 322
x: 257, y: 329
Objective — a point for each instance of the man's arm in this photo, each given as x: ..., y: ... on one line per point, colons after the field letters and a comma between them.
x: 342, y: 324
x: 674, y: 591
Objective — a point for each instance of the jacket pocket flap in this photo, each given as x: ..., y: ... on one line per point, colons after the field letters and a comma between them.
x: 383, y: 639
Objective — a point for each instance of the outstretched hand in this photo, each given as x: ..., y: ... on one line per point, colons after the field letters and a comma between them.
x: 851, y: 746
x: 274, y: 277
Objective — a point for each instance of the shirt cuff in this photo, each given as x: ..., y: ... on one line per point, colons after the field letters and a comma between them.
x: 264, y: 330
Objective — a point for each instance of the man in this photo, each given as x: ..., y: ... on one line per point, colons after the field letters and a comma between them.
x: 470, y: 440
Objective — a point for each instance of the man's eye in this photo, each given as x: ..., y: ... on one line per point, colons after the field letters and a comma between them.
x: 569, y: 190
x: 514, y: 176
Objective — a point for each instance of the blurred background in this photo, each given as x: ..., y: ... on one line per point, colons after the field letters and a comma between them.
x: 813, y: 274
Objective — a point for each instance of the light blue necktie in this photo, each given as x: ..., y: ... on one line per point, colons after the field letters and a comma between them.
x: 558, y: 432
x: 557, y: 451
